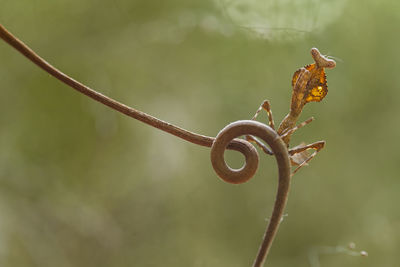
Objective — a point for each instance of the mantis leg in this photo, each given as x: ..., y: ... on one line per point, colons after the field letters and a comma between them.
x: 267, y: 107
x: 292, y: 130
x: 300, y: 150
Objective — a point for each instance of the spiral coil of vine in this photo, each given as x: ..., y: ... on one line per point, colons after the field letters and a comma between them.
x: 266, y: 133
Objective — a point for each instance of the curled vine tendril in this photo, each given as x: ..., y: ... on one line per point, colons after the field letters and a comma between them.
x: 226, y: 139
x: 266, y: 133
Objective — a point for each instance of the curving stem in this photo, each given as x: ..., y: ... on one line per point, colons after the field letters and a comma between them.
x: 224, y: 140
x: 254, y: 128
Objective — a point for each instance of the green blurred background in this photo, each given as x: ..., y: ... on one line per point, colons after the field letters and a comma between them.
x: 82, y: 185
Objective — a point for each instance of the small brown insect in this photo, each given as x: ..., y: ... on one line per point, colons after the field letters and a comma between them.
x: 309, y: 85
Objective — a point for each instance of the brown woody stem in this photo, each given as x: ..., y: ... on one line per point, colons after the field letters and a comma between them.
x: 226, y: 139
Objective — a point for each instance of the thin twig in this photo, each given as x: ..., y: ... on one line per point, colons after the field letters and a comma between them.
x: 226, y: 139
x: 131, y: 112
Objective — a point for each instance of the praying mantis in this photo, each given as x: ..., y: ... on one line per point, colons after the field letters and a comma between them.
x: 309, y: 85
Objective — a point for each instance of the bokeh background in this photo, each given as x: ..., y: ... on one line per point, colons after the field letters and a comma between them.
x: 82, y: 185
